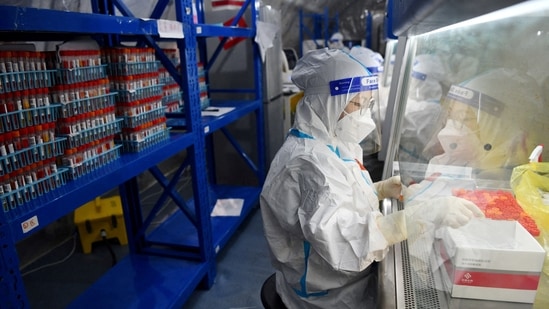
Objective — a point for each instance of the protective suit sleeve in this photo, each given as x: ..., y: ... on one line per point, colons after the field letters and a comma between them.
x: 389, y: 188
x: 393, y: 227
x: 449, y: 211
x: 340, y: 227
x: 417, y: 218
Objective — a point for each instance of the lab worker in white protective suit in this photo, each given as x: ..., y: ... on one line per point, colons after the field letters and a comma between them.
x: 319, y: 206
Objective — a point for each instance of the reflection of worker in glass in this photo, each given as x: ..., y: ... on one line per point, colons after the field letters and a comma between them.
x: 489, y: 121
x: 491, y: 124
x: 319, y: 206
x: 422, y: 109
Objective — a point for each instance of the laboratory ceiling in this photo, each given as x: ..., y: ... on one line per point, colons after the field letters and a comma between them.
x: 350, y: 14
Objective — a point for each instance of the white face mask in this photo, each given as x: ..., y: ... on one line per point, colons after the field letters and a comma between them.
x: 461, y: 145
x: 354, y: 127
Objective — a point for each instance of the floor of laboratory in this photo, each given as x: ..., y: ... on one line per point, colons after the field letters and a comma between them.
x: 58, y: 277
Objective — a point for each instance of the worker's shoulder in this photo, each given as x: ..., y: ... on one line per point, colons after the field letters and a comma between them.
x: 309, y: 145
x: 319, y: 156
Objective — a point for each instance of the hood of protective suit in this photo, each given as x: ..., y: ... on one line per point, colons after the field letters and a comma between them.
x: 372, y: 60
x: 317, y: 73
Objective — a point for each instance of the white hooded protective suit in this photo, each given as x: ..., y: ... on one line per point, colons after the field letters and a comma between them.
x: 318, y: 204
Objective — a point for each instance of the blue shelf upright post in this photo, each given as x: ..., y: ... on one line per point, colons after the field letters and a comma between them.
x: 261, y: 168
x: 324, y: 27
x: 129, y: 195
x: 191, y: 95
x: 105, y: 7
x: 368, y: 29
x: 12, y: 290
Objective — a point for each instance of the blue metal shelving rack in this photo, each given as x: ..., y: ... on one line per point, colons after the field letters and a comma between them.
x: 166, y: 265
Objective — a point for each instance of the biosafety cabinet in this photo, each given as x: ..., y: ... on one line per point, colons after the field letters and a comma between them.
x: 466, y: 122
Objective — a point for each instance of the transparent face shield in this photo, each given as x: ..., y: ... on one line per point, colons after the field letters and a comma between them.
x: 363, y: 103
x: 361, y: 109
x: 372, y: 143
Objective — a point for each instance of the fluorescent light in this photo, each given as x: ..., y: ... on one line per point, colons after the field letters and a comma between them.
x: 524, y: 8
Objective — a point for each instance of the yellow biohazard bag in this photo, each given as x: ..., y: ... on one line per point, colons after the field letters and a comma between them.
x: 530, y: 184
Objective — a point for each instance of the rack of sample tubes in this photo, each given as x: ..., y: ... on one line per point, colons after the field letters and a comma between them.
x: 134, y: 75
x: 203, y: 87
x: 172, y: 98
x: 87, y: 114
x: 28, y: 146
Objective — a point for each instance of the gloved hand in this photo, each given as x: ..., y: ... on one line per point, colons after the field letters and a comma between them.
x: 389, y: 188
x: 449, y: 211
x: 441, y: 211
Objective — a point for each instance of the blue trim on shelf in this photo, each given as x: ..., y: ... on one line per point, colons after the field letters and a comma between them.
x: 24, y: 19
x: 203, y: 30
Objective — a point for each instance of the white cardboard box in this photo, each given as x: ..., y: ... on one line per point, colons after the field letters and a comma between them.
x: 491, y: 260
